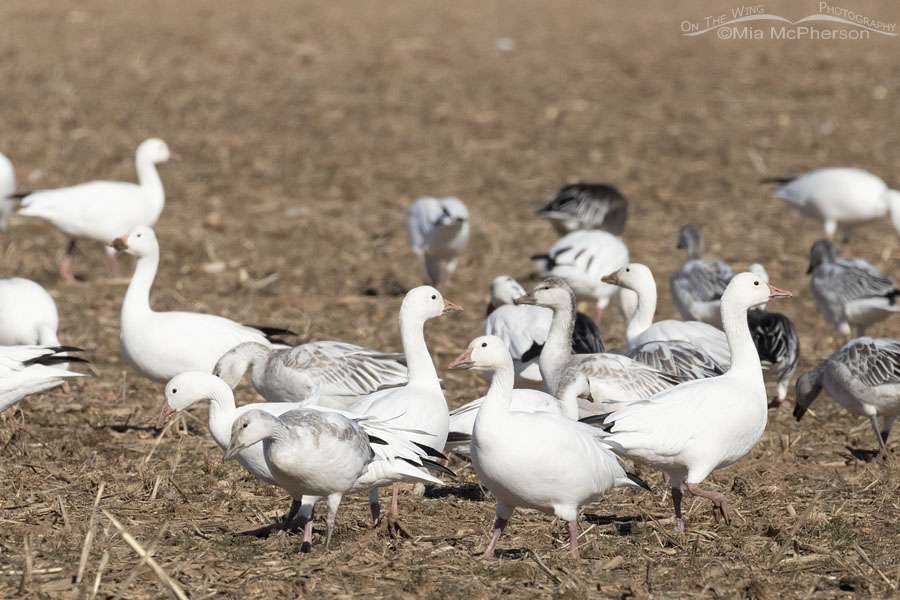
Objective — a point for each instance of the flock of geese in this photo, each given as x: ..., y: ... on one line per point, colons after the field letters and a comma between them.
x: 685, y: 397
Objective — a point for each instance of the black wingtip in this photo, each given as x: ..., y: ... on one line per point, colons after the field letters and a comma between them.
x: 430, y: 464
x: 18, y: 195
x: 374, y: 439
x: 597, y: 421
x: 271, y: 333
x: 458, y: 437
x: 432, y: 451
x: 637, y: 480
x: 781, y: 180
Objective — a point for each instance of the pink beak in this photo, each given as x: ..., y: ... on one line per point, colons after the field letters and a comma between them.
x: 776, y: 293
x: 164, y: 415
x: 463, y: 361
x: 449, y: 307
x: 174, y: 156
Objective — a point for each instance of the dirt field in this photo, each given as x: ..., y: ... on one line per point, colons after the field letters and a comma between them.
x: 306, y: 130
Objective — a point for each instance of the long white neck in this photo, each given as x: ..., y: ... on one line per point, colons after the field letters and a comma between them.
x: 558, y: 348
x: 222, y: 411
x: 499, y: 395
x: 744, y: 358
x: 148, y: 178
x: 643, y: 315
x: 419, y: 365
x: 137, y: 298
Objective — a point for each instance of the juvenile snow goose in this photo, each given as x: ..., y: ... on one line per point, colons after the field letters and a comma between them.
x: 438, y: 230
x: 524, y: 328
x: 582, y: 258
x: 863, y: 377
x: 308, y: 452
x: 641, y: 328
x: 337, y: 374
x: 419, y: 405
x: 28, y: 370
x: 849, y: 292
x: 103, y: 210
x: 726, y: 415
x: 840, y: 198
x: 398, y: 458
x: 534, y: 460
x: 28, y: 314
x: 587, y: 206
x: 160, y: 345
x: 697, y: 286
x: 613, y: 378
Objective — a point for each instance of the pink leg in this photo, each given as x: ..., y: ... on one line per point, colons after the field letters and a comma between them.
x: 718, y: 499
x: 573, y: 538
x: 395, y: 507
x: 66, y: 388
x: 676, y: 500
x: 499, y: 526
x: 114, y: 266
x: 306, y: 545
x: 65, y: 267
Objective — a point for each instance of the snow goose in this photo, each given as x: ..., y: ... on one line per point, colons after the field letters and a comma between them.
x: 28, y: 314
x: 778, y: 347
x: 863, y: 377
x: 587, y: 206
x: 418, y: 406
x: 7, y: 190
x: 337, y: 374
x: 28, y: 370
x: 681, y: 359
x: 706, y: 424
x: 537, y: 460
x: 398, y: 458
x: 160, y: 345
x: 103, y: 210
x: 849, y: 291
x: 697, y: 286
x: 308, y: 452
x: 582, y: 258
x: 572, y: 385
x: 438, y: 229
x: 840, y: 197
x: 641, y: 328
x: 613, y: 378
x: 524, y: 328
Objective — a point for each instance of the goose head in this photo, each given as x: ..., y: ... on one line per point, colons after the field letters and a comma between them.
x: 552, y: 292
x: 183, y: 391
x: 140, y: 241
x: 154, y: 151
x: 425, y: 302
x: 690, y: 239
x: 504, y: 290
x: 634, y: 276
x: 746, y: 290
x: 251, y: 427
x: 808, y: 388
x: 485, y: 353
x: 575, y: 384
x: 453, y: 212
x: 821, y: 252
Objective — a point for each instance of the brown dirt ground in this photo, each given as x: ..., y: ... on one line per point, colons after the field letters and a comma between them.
x: 306, y: 130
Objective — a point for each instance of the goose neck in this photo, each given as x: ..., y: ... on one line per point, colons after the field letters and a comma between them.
x: 137, y: 298
x: 150, y: 182
x: 558, y: 347
x: 643, y: 314
x: 744, y: 356
x: 419, y: 366
x: 499, y: 395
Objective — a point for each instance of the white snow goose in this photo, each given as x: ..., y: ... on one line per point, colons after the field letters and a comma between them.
x: 438, y: 230
x: 613, y: 378
x: 26, y: 370
x: 524, y: 328
x: 574, y: 384
x: 863, y: 377
x: 160, y: 345
x: 849, y: 292
x: 697, y: 285
x: 28, y: 314
x: 103, y: 210
x: 536, y: 460
x: 398, y: 459
x: 7, y: 190
x: 582, y: 258
x: 840, y: 198
x: 418, y: 406
x: 726, y: 415
x: 337, y: 374
x: 641, y: 328
x: 587, y: 206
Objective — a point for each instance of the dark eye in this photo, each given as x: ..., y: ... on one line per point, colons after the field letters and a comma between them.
x: 484, y: 344
x: 755, y: 283
x: 244, y: 426
x: 627, y: 270
x: 434, y: 297
x: 175, y: 390
x: 139, y: 235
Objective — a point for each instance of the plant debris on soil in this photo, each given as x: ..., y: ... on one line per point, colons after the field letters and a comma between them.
x: 306, y: 130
